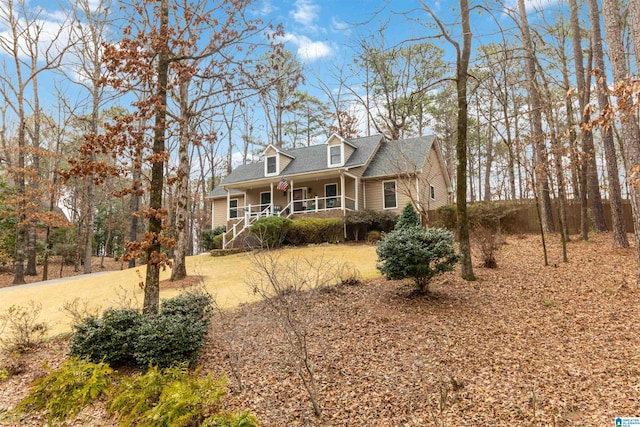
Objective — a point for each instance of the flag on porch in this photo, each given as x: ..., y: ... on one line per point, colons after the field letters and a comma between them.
x: 283, y: 185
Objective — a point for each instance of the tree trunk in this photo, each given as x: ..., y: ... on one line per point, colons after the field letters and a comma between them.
x: 613, y: 173
x: 629, y: 122
x: 461, y: 145
x: 152, y: 281
x: 634, y: 17
x: 588, y: 149
x: 540, y: 157
x: 179, y: 270
x: 21, y: 233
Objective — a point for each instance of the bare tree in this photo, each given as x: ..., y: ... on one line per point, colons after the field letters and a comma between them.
x: 537, y: 136
x: 31, y: 54
x: 613, y: 172
x: 463, y: 54
x: 628, y: 120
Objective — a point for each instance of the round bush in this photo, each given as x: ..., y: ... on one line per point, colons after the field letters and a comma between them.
x: 271, y: 231
x: 110, y: 338
x: 413, y: 252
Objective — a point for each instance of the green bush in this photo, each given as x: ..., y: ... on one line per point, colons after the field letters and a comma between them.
x: 315, y: 231
x: 210, y: 238
x: 165, y: 340
x: 412, y: 252
x: 126, y: 337
x: 64, y: 392
x: 174, y: 397
x: 408, y: 218
x: 226, y: 419
x: 110, y: 339
x: 271, y: 231
x: 359, y: 223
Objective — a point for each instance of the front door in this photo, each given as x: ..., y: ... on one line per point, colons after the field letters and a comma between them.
x: 298, y: 194
x: 265, y: 200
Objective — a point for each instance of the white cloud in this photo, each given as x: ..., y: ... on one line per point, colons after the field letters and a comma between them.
x: 530, y: 5
x: 340, y: 27
x: 263, y: 8
x: 305, y: 12
x: 307, y: 49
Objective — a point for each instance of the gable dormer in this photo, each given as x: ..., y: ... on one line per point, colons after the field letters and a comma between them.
x: 275, y: 160
x: 338, y: 151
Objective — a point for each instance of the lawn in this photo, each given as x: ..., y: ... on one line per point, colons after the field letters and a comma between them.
x: 223, y: 277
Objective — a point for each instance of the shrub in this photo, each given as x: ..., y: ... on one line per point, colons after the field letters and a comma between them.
x: 408, y: 218
x: 194, y: 305
x: 359, y: 223
x: 240, y: 419
x: 209, y: 238
x: 416, y: 253
x: 315, y: 231
x: 110, y: 338
x: 174, y: 397
x: 446, y: 217
x: 271, y: 231
x: 126, y: 337
x: 64, y: 392
x: 166, y: 340
x: 22, y: 330
x: 374, y: 236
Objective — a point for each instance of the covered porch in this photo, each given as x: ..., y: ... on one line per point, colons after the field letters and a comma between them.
x: 331, y: 195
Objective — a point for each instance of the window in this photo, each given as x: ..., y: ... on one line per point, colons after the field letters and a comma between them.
x: 272, y: 167
x: 432, y: 192
x: 233, y: 208
x: 335, y: 155
x: 390, y: 200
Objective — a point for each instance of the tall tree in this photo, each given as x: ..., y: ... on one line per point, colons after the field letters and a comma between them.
x: 463, y: 54
x: 278, y: 76
x: 613, y: 172
x: 537, y: 132
x: 31, y: 54
x: 588, y: 149
x: 628, y: 120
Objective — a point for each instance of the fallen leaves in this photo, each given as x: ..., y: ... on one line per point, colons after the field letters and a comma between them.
x: 524, y: 345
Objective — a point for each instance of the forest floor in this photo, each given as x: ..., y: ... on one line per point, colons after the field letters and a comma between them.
x: 523, y: 345
x: 57, y: 271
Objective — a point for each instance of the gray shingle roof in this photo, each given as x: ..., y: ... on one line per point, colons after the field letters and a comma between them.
x: 221, y: 192
x: 307, y: 159
x: 407, y: 155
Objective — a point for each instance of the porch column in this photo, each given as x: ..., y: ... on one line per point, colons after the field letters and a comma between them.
x: 342, y: 191
x: 357, y: 192
x: 417, y: 189
x: 228, y: 203
x: 291, y: 195
x: 271, y: 198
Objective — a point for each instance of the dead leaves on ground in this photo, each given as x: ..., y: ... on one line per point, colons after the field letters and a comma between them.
x: 524, y: 345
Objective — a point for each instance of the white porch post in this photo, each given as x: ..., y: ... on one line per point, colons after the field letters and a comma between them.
x: 228, y: 204
x: 417, y: 189
x: 342, y: 198
x: 357, y: 192
x: 292, y: 210
x: 271, y: 198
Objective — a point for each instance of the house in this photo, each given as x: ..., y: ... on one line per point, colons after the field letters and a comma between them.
x: 332, y: 179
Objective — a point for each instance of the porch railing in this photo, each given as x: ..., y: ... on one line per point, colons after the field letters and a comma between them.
x: 251, y: 213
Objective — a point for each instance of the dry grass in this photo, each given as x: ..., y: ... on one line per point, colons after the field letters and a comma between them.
x: 223, y: 277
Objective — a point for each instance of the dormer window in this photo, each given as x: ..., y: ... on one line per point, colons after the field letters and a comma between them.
x: 335, y: 155
x: 271, y: 165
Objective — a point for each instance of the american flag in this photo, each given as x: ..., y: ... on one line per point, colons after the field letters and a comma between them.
x: 283, y: 185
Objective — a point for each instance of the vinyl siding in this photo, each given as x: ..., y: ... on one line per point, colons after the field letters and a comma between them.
x: 284, y: 162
